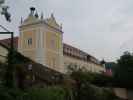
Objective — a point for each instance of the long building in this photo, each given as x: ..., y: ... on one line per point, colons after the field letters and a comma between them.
x: 41, y: 40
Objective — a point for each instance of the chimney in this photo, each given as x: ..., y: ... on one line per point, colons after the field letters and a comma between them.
x: 32, y: 11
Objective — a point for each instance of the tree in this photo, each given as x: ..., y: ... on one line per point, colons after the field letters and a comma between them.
x: 124, y: 71
x: 4, y: 10
x: 2, y: 1
x: 9, y: 70
x: 91, y: 86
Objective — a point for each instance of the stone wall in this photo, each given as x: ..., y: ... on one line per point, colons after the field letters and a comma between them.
x: 121, y: 93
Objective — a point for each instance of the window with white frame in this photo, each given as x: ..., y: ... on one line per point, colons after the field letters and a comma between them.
x: 29, y: 41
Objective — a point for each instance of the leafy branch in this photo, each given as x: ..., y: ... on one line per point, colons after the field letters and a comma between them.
x: 4, y: 10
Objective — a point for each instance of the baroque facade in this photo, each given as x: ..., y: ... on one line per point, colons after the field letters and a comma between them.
x: 42, y: 40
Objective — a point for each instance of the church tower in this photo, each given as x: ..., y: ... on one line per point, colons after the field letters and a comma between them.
x: 41, y: 40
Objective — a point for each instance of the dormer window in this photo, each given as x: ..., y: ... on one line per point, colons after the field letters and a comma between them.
x: 29, y: 41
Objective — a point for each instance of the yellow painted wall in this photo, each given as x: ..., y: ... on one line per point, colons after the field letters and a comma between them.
x: 3, y: 52
x: 30, y: 54
x: 26, y: 36
x: 52, y: 59
x: 53, y: 41
x: 52, y: 49
x: 28, y: 50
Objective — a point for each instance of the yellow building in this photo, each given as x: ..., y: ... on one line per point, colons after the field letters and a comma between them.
x: 3, y: 53
x: 42, y: 40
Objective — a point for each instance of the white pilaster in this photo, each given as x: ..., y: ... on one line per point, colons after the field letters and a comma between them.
x: 62, y: 67
x: 20, y: 42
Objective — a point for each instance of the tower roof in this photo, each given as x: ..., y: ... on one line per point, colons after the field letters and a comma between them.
x: 34, y: 18
x: 52, y: 22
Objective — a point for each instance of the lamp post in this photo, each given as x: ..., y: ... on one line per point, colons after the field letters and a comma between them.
x: 11, y: 42
x: 12, y: 35
x: 9, y: 75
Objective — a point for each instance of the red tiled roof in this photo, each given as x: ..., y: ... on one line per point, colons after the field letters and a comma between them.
x: 79, y: 54
x: 7, y: 42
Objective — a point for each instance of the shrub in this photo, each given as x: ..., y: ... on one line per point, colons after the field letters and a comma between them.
x: 47, y: 93
x: 84, y: 89
x: 10, y: 94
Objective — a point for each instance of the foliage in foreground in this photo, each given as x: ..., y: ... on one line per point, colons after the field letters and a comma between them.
x: 47, y: 93
x: 84, y: 88
x: 85, y: 92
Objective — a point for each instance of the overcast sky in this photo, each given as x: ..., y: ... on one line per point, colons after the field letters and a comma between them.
x: 103, y: 28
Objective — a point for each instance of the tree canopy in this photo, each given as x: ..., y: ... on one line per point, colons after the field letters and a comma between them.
x: 4, y: 10
x: 124, y: 70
